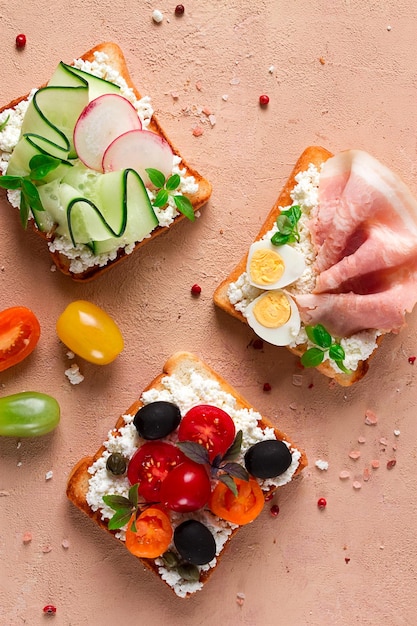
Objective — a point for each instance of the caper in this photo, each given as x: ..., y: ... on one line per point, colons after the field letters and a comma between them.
x: 188, y: 571
x: 170, y: 559
x: 116, y: 464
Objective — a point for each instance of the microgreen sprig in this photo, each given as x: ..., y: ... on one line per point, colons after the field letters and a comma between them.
x: 222, y: 467
x: 4, y: 123
x: 165, y: 189
x: 124, y: 508
x: 324, y: 344
x: 40, y: 166
x: 287, y: 224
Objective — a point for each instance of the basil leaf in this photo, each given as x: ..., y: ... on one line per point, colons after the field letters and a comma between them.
x: 31, y: 194
x: 236, y: 470
x: 117, y: 502
x: 11, y: 182
x: 4, y: 124
x: 278, y: 239
x: 296, y: 213
x: 24, y: 210
x: 161, y: 198
x: 185, y: 207
x: 156, y: 177
x: 336, y: 352
x: 284, y: 224
x: 119, y: 519
x: 319, y: 336
x: 133, y: 495
x: 39, y: 172
x: 312, y: 357
x: 235, y: 448
x: 173, y: 182
x: 195, y: 451
x: 229, y: 482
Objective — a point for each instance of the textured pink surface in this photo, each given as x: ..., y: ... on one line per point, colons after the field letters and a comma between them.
x: 339, y: 74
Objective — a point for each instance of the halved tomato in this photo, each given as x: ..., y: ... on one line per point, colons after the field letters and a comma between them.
x: 152, y: 536
x: 240, y: 509
x: 150, y: 465
x: 19, y: 335
x: 209, y: 426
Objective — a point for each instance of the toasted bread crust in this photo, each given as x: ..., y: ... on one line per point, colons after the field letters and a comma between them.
x: 117, y: 60
x: 315, y: 155
x: 78, y: 480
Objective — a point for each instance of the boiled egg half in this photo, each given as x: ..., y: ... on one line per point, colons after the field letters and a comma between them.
x: 273, y: 267
x: 274, y: 317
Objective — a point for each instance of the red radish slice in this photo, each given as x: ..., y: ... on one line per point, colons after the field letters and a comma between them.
x: 102, y: 120
x: 139, y: 150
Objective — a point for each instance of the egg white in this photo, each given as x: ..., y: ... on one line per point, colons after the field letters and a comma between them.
x: 281, y: 336
x: 294, y: 263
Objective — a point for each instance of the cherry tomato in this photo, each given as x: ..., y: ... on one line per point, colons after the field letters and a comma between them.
x: 28, y: 414
x: 186, y: 488
x: 152, y: 536
x: 90, y: 332
x: 210, y: 426
x: 150, y: 465
x: 19, y: 335
x: 240, y: 509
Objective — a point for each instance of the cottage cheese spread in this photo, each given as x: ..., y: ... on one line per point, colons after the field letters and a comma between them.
x: 358, y: 347
x: 186, y: 393
x: 81, y: 257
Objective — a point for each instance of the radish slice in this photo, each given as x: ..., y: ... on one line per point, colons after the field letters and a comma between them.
x: 101, y: 121
x: 139, y: 150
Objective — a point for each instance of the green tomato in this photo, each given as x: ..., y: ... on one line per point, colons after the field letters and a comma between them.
x: 28, y: 414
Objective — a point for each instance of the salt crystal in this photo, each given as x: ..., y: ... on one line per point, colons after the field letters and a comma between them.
x: 297, y: 380
x: 389, y: 28
x: 293, y: 406
x: 354, y: 454
x: 240, y: 598
x: 197, y: 131
x: 199, y: 85
x: 361, y: 439
x: 225, y: 97
x: 366, y: 474
x: 212, y: 119
x: 344, y: 474
x: 271, y: 69
x: 383, y: 441
x: 322, y: 465
x: 70, y: 354
x: 49, y: 475
x: 27, y: 537
x: 175, y: 95
x: 65, y: 544
x: 356, y: 484
x: 370, y: 418
x: 397, y: 433
x: 375, y: 464
x: 74, y: 375
x: 157, y: 16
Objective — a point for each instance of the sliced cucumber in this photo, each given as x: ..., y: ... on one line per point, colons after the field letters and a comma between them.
x: 52, y: 114
x: 29, y: 146
x: 69, y: 76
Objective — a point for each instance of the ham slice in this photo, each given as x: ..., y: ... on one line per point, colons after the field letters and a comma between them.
x: 365, y: 234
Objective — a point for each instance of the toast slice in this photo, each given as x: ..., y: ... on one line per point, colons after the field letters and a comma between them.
x: 115, y: 59
x: 316, y: 156
x: 182, y: 381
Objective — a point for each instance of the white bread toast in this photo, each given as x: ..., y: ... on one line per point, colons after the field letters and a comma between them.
x: 117, y: 61
x: 315, y: 155
x: 182, y: 365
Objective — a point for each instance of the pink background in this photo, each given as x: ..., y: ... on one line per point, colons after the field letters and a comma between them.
x: 355, y: 561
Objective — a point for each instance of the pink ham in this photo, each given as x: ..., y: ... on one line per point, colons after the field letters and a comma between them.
x: 365, y: 233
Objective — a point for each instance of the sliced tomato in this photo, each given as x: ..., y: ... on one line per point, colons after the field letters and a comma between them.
x: 186, y: 488
x: 240, y: 509
x: 19, y: 335
x: 152, y: 535
x: 209, y: 426
x: 150, y: 465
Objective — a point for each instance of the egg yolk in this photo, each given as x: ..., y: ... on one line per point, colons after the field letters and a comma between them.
x: 266, y: 267
x: 272, y: 310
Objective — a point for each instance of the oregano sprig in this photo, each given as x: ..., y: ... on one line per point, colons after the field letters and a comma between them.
x: 324, y: 345
x: 223, y: 467
x: 287, y: 224
x: 40, y: 166
x: 165, y: 188
x: 124, y: 508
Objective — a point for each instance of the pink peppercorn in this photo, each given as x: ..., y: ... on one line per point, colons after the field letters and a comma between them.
x: 196, y: 290
x: 257, y: 344
x: 179, y: 9
x: 322, y: 503
x: 411, y: 360
x: 274, y: 510
x: 267, y: 387
x: 49, y: 609
x: 21, y: 41
x: 263, y: 100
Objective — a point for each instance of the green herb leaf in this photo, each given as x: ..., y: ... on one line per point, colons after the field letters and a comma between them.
x: 11, y: 182
x: 156, y: 177
x: 284, y: 224
x: 30, y: 191
x: 173, y: 182
x: 4, y: 124
x: 41, y: 165
x: 24, y: 210
x: 229, y: 482
x: 233, y: 452
x: 119, y: 519
x: 118, y: 503
x: 195, y: 451
x: 342, y: 367
x: 134, y: 495
x: 336, y: 352
x: 319, y: 336
x: 236, y: 470
x: 278, y: 239
x: 185, y: 207
x: 161, y: 198
x: 312, y: 357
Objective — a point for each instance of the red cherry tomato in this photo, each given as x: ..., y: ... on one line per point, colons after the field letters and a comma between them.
x: 240, y: 509
x: 19, y: 335
x: 152, y: 536
x: 150, y: 465
x: 210, y: 426
x: 186, y: 488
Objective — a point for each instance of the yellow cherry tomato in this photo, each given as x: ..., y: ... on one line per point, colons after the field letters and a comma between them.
x: 90, y: 332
